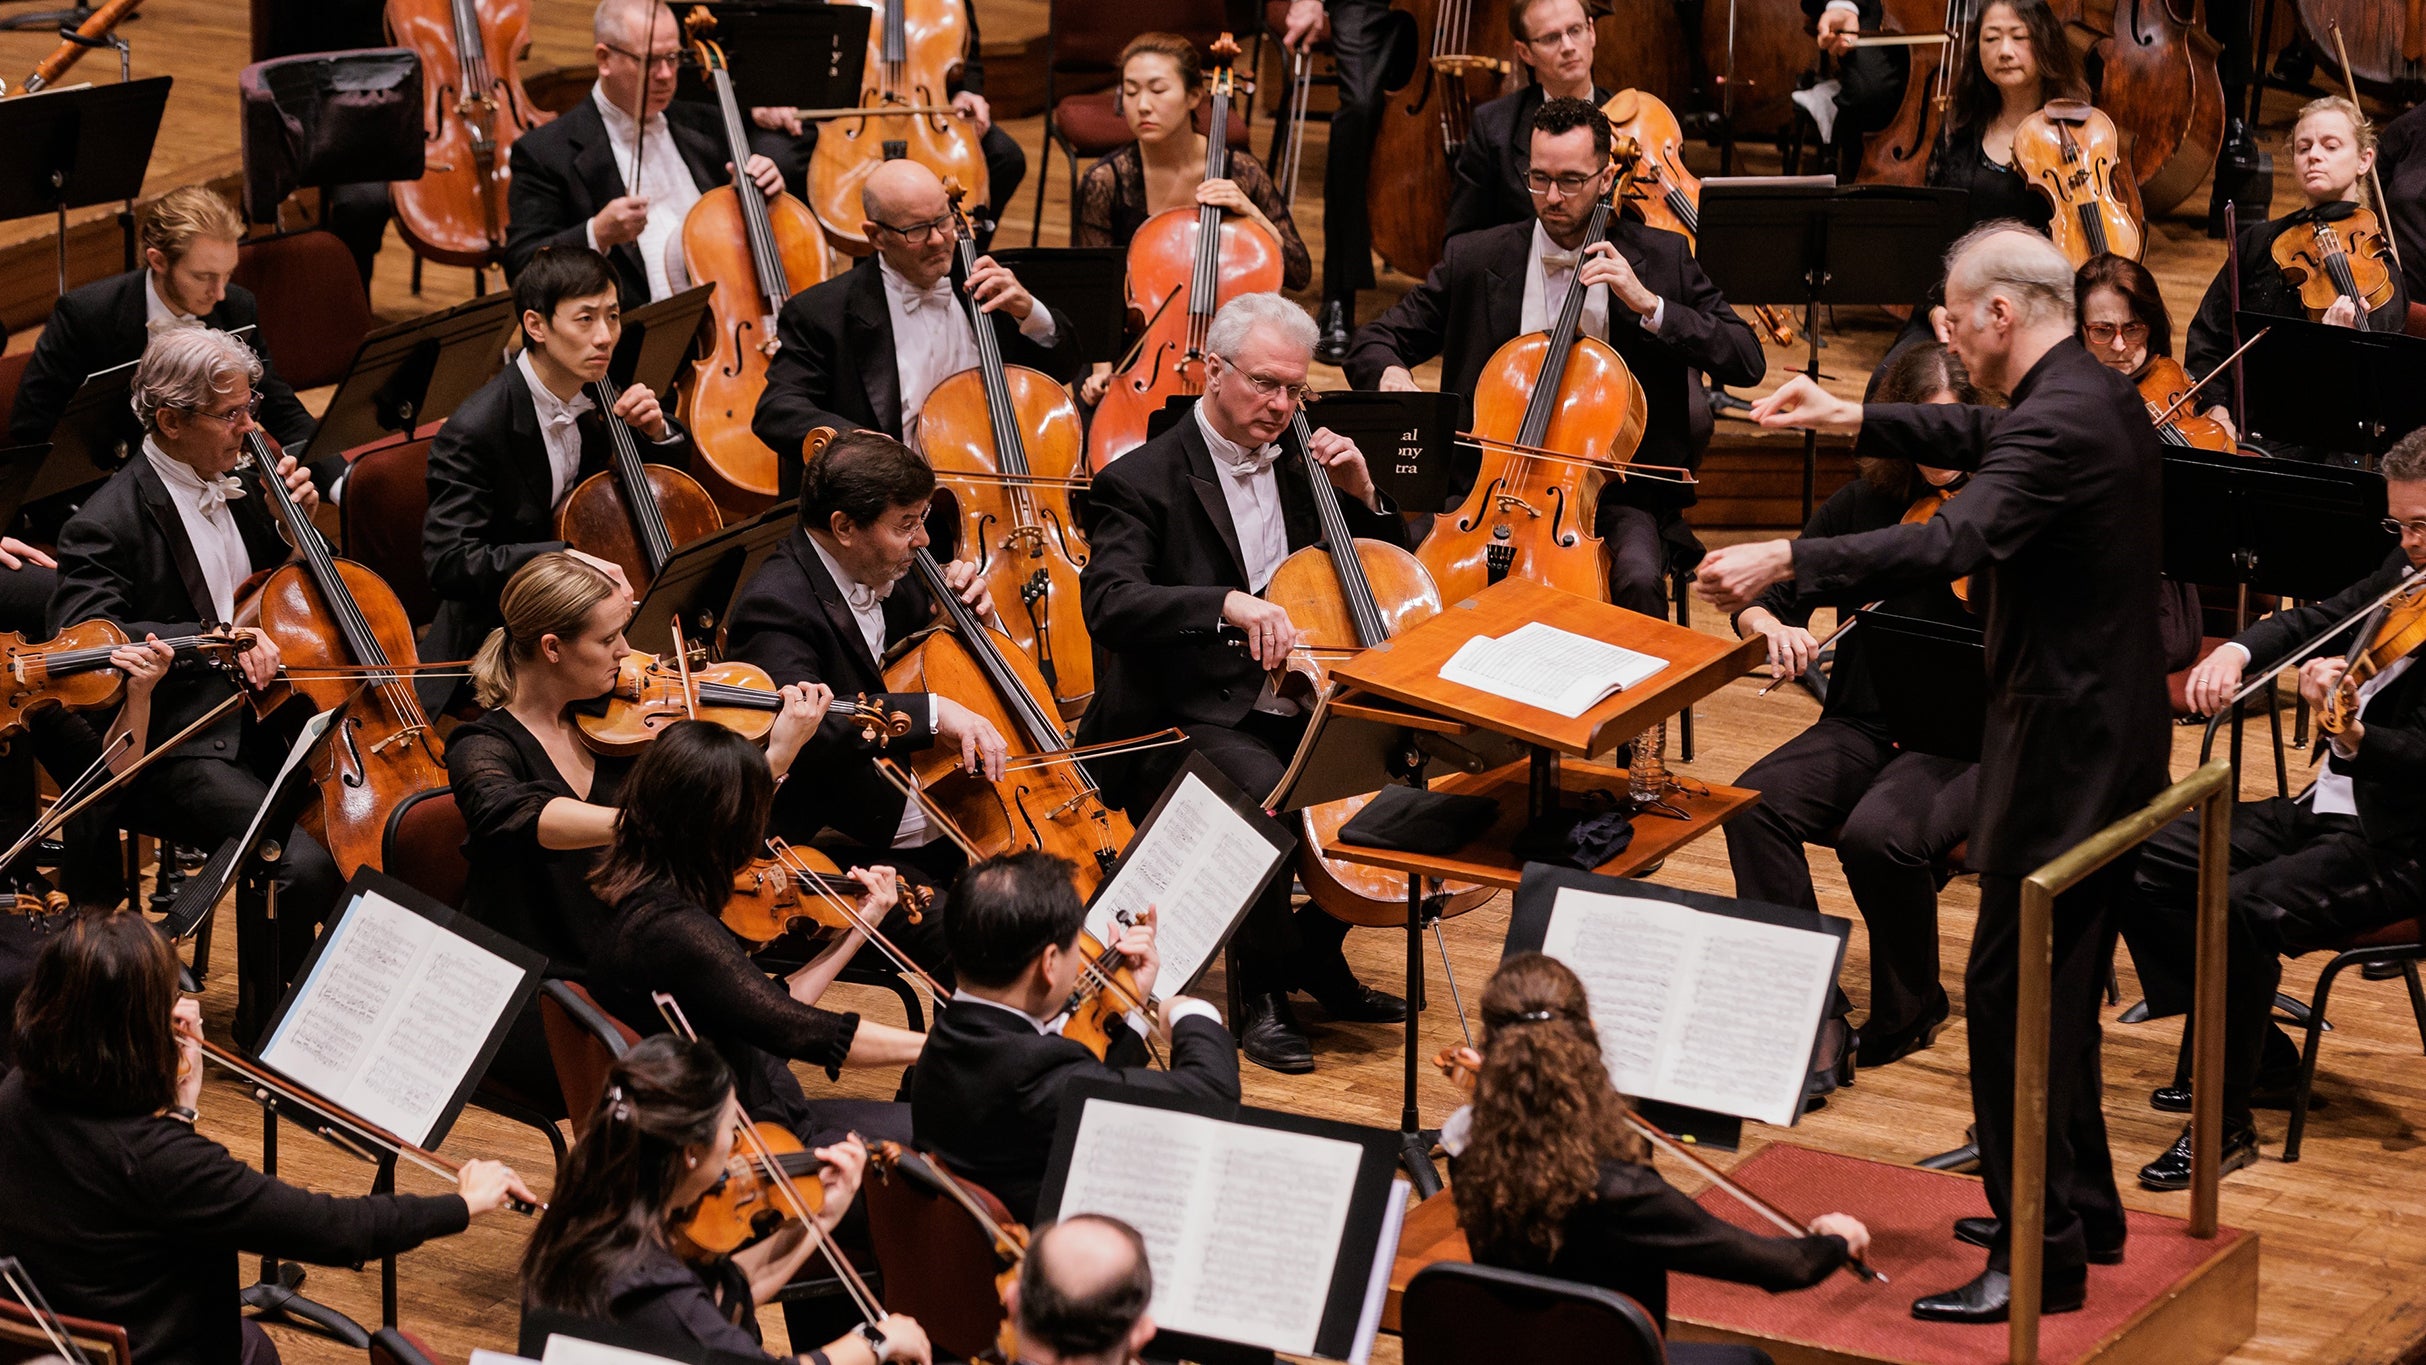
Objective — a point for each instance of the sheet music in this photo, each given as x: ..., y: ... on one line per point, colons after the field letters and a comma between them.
x: 1196, y: 865
x: 394, y: 1013
x: 1694, y: 1008
x: 1242, y: 1224
x: 564, y: 1350
x: 1542, y: 666
x: 486, y: 1357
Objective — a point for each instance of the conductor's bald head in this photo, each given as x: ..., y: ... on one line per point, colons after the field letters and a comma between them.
x: 2008, y: 299
x: 1082, y: 1293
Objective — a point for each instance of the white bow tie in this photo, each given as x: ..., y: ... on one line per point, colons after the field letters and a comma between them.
x: 1559, y: 260
x: 861, y: 597
x: 218, y: 493
x: 155, y: 326
x: 1256, y: 462
x: 936, y: 295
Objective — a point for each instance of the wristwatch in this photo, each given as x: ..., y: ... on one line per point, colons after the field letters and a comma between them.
x: 874, y: 1336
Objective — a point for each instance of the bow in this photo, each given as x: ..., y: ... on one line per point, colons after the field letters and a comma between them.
x: 936, y: 295
x: 217, y: 493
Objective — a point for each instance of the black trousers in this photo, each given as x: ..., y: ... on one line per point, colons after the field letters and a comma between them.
x: 2300, y: 881
x: 1871, y: 89
x: 1360, y: 50
x: 2082, y: 1205
x: 1006, y: 165
x: 1892, y: 818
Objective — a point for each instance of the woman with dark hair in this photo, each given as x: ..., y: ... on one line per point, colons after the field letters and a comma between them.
x: 2015, y: 59
x: 117, y: 1207
x: 659, y: 1139
x: 1549, y: 1178
x: 694, y: 812
x: 1893, y: 816
x: 2124, y: 322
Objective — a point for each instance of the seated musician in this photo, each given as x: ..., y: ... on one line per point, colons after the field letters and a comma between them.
x: 161, y: 549
x: 662, y: 1137
x: 1171, y: 563
x: 1867, y: 90
x: 1081, y: 1294
x: 2125, y: 324
x: 1893, y: 817
x: 2401, y: 169
x: 2345, y: 856
x: 119, y: 1210
x: 987, y: 1092
x: 1549, y: 1179
x: 694, y: 806
x: 865, y: 348
x: 1162, y: 92
x: 1556, y: 40
x: 2332, y: 147
x: 190, y: 238
x: 1645, y: 296
x: 508, y: 457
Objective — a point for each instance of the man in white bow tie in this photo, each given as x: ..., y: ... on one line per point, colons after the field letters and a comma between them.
x: 1643, y: 295
x: 865, y: 348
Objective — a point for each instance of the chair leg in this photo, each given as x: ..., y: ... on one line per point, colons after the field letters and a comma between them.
x: 2417, y: 997
x: 1069, y: 153
x: 416, y: 276
x: 2308, y: 1054
x: 1036, y: 225
x: 2282, y: 771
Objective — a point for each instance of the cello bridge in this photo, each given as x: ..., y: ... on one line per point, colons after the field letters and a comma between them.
x: 409, y: 732
x: 1028, y: 540
x: 1510, y: 502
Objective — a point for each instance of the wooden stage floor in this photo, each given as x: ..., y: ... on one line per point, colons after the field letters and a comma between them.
x: 2344, y: 1274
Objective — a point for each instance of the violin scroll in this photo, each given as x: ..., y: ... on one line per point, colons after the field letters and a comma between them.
x: 875, y: 722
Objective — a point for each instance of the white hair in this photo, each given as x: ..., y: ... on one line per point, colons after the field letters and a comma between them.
x: 1239, y: 318
x: 188, y: 368
x: 616, y: 22
x: 2007, y: 257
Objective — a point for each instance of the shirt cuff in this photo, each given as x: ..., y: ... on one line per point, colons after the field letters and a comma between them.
x: 1189, y: 1007
x: 1038, y: 326
x: 1652, y: 319
x: 1846, y: 5
x: 2246, y: 656
x: 933, y: 709
x: 589, y: 234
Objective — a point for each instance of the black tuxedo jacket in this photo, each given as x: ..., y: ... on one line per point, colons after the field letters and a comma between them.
x: 124, y: 557
x: 2054, y: 529
x: 101, y: 325
x: 2389, y: 769
x: 1163, y: 557
x: 986, y: 1094
x: 565, y: 171
x: 835, y: 366
x: 1473, y: 303
x: 1489, y: 178
x: 792, y: 621
x: 491, y: 509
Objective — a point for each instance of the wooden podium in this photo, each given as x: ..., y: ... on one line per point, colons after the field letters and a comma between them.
x: 1399, y: 683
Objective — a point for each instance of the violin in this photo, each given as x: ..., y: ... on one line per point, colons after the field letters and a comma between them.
x: 651, y: 692
x: 989, y: 432
x: 2393, y: 632
x: 1010, y: 1242
x: 93, y: 32
x: 1465, y: 55
x: 475, y: 106
x: 633, y: 514
x: 1662, y: 189
x: 72, y: 669
x: 1104, y: 996
x: 1183, y: 265
x: 915, y: 47
x: 767, y: 899
x: 2070, y: 153
x: 2163, y: 384
x: 2344, y: 259
x: 758, y: 252
x: 1559, y: 392
x: 1932, y: 500
x: 343, y: 636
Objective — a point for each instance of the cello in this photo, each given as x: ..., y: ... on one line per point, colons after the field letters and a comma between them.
x: 470, y: 52
x: 2070, y: 153
x: 1183, y: 265
x: 914, y: 48
x: 1465, y: 56
x: 1666, y: 193
x: 758, y: 252
x: 1899, y: 153
x: 979, y: 429
x: 633, y: 514
x: 2160, y: 83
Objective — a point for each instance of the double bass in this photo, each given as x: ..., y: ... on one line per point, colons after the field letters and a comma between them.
x: 758, y: 252
x: 2070, y: 153
x: 914, y: 49
x: 1899, y: 153
x: 1004, y: 439
x: 633, y: 514
x: 1183, y: 265
x: 1464, y: 57
x: 470, y: 52
x: 2159, y: 81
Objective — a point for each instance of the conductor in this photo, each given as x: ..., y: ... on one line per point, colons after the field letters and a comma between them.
x: 2053, y: 530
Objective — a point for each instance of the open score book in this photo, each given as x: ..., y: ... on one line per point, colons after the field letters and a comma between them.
x: 1542, y: 666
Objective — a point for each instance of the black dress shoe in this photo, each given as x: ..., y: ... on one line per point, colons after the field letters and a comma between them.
x: 2274, y: 1090
x: 1268, y: 1034
x: 1877, y: 1048
x: 1361, y: 1004
x: 1990, y: 1297
x: 1980, y: 1232
x: 1337, y: 322
x: 1837, y: 1072
x: 2172, y: 1170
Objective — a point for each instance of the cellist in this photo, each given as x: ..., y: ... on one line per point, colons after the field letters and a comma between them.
x: 1647, y: 297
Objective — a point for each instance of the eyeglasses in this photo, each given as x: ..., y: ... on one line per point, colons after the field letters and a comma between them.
x: 918, y: 234
x: 1574, y: 33
x: 250, y: 411
x: 666, y: 63
x: 1266, y: 387
x: 2405, y: 529
x: 2104, y: 333
x: 1568, y: 186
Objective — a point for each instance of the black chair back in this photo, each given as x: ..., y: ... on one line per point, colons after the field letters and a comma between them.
x: 1455, y: 1313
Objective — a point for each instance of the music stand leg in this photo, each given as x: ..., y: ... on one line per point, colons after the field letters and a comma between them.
x: 385, y: 1183
x: 1414, y: 1140
x: 1810, y: 437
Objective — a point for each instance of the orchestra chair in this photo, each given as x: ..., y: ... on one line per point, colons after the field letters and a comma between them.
x: 423, y: 848
x: 314, y: 313
x: 12, y: 373
x: 2398, y: 947
x: 1455, y: 1313
x: 1083, y: 39
x: 395, y: 1346
x: 940, y: 1263
x: 387, y: 496
x: 584, y: 1040
x: 21, y: 1337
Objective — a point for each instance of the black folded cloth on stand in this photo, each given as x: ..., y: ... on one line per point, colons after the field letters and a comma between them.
x: 1412, y: 820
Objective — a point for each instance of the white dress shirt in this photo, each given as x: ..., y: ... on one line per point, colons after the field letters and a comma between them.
x: 158, y: 316
x: 1252, y: 490
x: 2333, y: 793
x: 932, y: 338
x: 558, y: 427
x: 867, y: 609
x: 202, y: 508
x: 1547, y: 273
x: 665, y: 179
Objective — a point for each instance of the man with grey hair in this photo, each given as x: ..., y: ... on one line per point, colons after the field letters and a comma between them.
x: 1188, y: 529
x: 2057, y: 533
x: 161, y: 549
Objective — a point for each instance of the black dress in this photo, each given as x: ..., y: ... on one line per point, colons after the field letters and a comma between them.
x: 538, y: 896
x: 1997, y: 191
x: 669, y: 1302
x: 2265, y: 290
x: 1112, y: 207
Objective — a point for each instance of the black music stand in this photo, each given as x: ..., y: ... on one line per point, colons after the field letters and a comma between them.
x: 1409, y: 440
x: 95, y: 434
x: 2334, y: 389
x: 1930, y: 677
x: 657, y: 338
x: 416, y: 372
x: 699, y: 582
x: 76, y: 147
x: 807, y: 56
x: 1808, y: 238
x: 1085, y: 287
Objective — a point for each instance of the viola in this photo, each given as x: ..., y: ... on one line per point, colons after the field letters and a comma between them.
x: 758, y: 252
x: 470, y: 53
x: 989, y: 432
x: 634, y: 514
x: 2071, y: 154
x: 1184, y: 264
x: 651, y: 692
x: 768, y: 1183
x: 72, y: 669
x: 1932, y: 500
x: 1464, y: 56
x: 2163, y: 384
x: 2393, y: 633
x: 767, y: 896
x: 1557, y: 391
x: 2343, y: 259
x: 915, y: 47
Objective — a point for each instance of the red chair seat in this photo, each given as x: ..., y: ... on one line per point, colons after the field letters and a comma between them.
x: 313, y: 311
x: 387, y: 496
x: 1093, y: 126
x: 2386, y: 936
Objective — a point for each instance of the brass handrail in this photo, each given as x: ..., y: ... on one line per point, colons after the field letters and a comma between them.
x: 2211, y: 789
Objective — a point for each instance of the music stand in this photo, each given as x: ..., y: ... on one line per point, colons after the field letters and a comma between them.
x: 657, y: 338
x: 1808, y: 238
x: 803, y: 56
x: 1409, y: 440
x: 1930, y: 678
x: 415, y: 372
x: 698, y: 584
x: 1086, y: 289
x: 75, y: 147
x: 2331, y: 388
